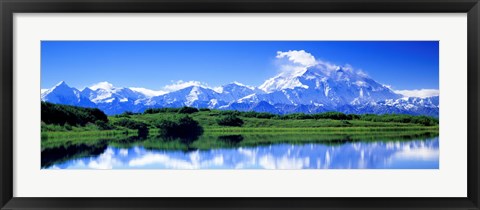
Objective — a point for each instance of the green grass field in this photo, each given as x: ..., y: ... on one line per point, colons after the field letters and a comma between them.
x: 208, y: 121
x: 254, y: 131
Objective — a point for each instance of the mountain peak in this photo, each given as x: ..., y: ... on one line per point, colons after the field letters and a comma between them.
x: 61, y: 86
x: 86, y: 89
x: 310, y: 92
x: 238, y: 84
x: 281, y: 82
x: 61, y: 83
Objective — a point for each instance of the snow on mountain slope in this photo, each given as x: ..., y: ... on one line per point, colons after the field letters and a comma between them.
x: 235, y: 91
x: 105, y: 92
x: 200, y: 96
x: 324, y: 93
x: 61, y: 93
x: 315, y: 86
x: 189, y: 96
x: 308, y: 86
x: 148, y: 92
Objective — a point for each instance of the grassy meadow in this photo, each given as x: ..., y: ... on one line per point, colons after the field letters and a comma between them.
x: 241, y: 128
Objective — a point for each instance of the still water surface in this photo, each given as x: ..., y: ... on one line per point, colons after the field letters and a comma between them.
x: 413, y: 154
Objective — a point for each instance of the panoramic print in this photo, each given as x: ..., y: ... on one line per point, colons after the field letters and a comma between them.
x: 239, y: 105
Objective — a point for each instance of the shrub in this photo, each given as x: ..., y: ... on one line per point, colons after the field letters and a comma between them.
x: 160, y: 110
x: 230, y: 120
x: 333, y: 116
x: 231, y: 139
x: 230, y: 112
x: 261, y: 115
x: 353, y: 116
x: 126, y: 114
x: 123, y: 115
x: 265, y: 115
x: 187, y: 110
x: 297, y: 116
x: 141, y: 127
x: 184, y: 128
x: 166, y: 126
x: 103, y: 125
x: 68, y: 127
x: 204, y: 109
x: 400, y: 118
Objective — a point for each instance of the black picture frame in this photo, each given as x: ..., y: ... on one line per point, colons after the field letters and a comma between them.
x: 9, y: 7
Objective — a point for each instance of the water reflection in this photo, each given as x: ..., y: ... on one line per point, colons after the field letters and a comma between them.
x: 348, y: 155
x: 231, y: 140
x: 60, y: 154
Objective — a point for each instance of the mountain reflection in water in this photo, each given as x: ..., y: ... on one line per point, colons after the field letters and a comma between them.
x: 413, y: 154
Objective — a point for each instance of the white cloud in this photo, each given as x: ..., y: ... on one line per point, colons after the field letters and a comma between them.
x: 285, y: 162
x: 149, y: 159
x: 300, y: 57
x: 292, y: 70
x: 55, y: 167
x: 106, y: 160
x: 295, y: 62
x: 192, y: 161
x: 421, y: 93
x: 102, y: 85
x: 180, y: 84
x: 123, y: 152
x: 425, y: 154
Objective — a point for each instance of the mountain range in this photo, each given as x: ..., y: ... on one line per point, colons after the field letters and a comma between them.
x: 313, y: 89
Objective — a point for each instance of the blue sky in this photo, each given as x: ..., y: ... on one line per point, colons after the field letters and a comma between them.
x: 404, y: 65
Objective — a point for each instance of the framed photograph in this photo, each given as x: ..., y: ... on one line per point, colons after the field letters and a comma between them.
x: 239, y: 105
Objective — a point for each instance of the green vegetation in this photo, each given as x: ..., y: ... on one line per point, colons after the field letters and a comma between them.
x: 68, y: 128
x: 187, y: 110
x: 70, y: 115
x: 142, y: 128
x: 399, y: 118
x: 230, y: 120
x: 184, y: 128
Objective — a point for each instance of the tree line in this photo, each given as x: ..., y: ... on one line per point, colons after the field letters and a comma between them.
x: 63, y: 114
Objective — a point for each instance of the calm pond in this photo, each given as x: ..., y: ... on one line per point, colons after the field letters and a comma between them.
x: 403, y: 154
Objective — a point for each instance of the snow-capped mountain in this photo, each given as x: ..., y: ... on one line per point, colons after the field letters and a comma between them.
x: 104, y: 92
x: 195, y: 96
x: 321, y: 87
x: 235, y: 91
x: 61, y: 93
x: 114, y: 100
x: 313, y: 89
x: 198, y: 96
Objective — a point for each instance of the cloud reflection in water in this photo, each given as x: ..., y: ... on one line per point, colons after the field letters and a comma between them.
x: 356, y: 155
